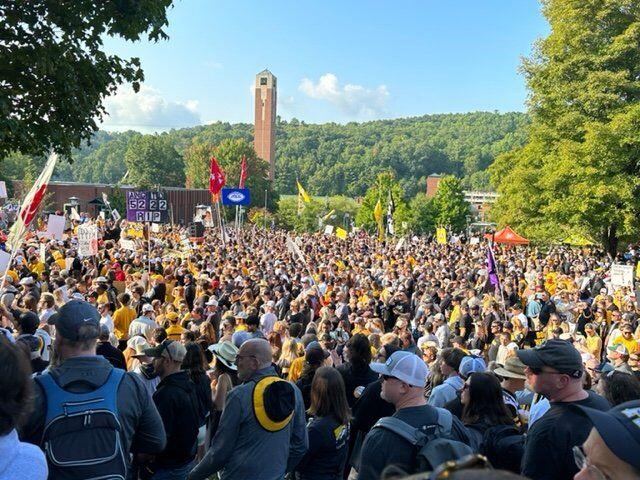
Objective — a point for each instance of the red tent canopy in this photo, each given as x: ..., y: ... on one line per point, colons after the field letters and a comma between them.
x: 507, y: 236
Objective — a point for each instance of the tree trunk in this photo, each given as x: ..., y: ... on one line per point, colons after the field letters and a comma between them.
x: 610, y: 239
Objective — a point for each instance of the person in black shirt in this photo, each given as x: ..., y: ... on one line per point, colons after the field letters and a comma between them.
x: 104, y: 348
x: 465, y: 323
x: 328, y: 430
x: 356, y: 371
x: 554, y: 369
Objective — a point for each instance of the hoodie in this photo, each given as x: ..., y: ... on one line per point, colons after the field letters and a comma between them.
x: 178, y: 404
x: 446, y: 392
x: 20, y: 461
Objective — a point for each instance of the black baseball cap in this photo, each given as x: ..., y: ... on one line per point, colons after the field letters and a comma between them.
x: 619, y: 428
x: 558, y: 354
x: 73, y: 315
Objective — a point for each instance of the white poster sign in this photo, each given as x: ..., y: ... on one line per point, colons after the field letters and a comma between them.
x: 55, y: 227
x: 155, y: 227
x: 128, y: 244
x: 3, y: 190
x: 621, y: 275
x: 74, y: 214
x: 116, y: 216
x: 474, y: 240
x: 43, y: 253
x: 88, y: 240
x: 4, y: 261
x: 328, y: 230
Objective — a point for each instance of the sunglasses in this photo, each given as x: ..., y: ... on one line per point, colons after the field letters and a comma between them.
x: 540, y: 371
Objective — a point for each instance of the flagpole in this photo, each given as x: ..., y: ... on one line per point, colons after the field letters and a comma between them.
x: 265, y: 208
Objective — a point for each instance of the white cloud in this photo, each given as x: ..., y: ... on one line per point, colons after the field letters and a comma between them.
x: 213, y: 64
x: 351, y: 99
x: 148, y: 111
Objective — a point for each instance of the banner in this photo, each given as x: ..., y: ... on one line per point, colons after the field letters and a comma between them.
x: 441, y: 235
x: 134, y: 230
x: 621, y: 275
x: 147, y: 207
x: 128, y: 244
x: 88, y: 240
x: 341, y: 233
x: 3, y: 190
x: 55, y: 227
x: 235, y: 196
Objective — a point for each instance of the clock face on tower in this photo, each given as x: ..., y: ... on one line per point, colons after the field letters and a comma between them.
x: 263, y: 80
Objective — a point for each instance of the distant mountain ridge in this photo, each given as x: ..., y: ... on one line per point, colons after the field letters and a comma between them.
x: 333, y: 158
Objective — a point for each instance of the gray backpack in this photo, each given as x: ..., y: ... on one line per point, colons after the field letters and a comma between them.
x: 434, y: 442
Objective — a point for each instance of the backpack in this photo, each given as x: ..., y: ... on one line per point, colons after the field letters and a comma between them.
x: 82, y: 432
x: 433, y: 441
x: 503, y: 445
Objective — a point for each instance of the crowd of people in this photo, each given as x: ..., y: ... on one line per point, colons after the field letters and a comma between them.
x: 271, y: 356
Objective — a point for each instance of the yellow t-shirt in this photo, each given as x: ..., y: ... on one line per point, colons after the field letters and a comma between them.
x: 295, y: 370
x: 122, y: 318
x: 174, y: 331
x: 631, y: 344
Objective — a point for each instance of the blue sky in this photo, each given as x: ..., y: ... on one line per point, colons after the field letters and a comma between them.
x: 336, y: 61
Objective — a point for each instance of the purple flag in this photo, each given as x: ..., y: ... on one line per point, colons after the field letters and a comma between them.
x: 491, y: 269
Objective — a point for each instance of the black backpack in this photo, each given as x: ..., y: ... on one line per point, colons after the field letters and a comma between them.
x: 503, y: 445
x: 434, y: 443
x: 82, y: 437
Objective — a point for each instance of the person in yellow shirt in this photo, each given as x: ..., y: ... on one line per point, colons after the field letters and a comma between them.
x: 593, y: 341
x: 627, y: 339
x: 174, y: 330
x: 122, y: 318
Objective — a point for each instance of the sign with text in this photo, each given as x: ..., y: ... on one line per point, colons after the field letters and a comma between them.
x: 147, y: 207
x: 621, y: 275
x: 3, y: 190
x: 235, y: 196
x: 88, y: 240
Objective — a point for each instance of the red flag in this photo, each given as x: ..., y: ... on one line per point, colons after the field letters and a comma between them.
x: 217, y: 179
x: 243, y: 172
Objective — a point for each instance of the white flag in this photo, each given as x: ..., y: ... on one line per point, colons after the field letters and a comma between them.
x: 295, y: 250
x: 31, y: 203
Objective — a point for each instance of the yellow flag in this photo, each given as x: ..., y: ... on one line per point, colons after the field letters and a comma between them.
x: 377, y: 212
x: 328, y: 215
x: 305, y: 196
x: 441, y: 235
x: 341, y: 233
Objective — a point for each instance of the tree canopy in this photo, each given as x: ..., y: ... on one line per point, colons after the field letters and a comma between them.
x: 332, y: 159
x: 55, y: 72
x: 580, y: 169
x: 152, y: 161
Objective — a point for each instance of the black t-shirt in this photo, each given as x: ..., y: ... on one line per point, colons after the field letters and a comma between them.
x: 548, y: 452
x: 466, y: 322
x: 382, y: 447
x: 326, y: 456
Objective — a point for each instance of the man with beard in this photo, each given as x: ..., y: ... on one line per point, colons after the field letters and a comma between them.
x: 262, y: 430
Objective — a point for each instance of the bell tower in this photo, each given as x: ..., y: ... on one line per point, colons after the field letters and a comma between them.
x: 264, y: 139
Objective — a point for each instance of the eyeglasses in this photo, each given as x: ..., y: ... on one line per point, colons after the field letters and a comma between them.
x: 540, y: 371
x: 238, y: 357
x: 582, y: 462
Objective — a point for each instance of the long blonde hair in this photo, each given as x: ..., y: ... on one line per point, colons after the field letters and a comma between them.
x: 289, y: 352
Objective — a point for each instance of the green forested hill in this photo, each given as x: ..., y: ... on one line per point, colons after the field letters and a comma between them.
x: 332, y: 158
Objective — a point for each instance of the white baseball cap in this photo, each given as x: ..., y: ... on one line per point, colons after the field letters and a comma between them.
x: 404, y: 366
x: 147, y: 307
